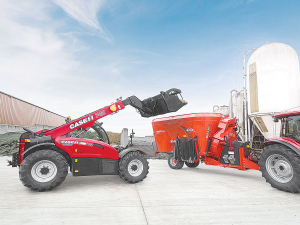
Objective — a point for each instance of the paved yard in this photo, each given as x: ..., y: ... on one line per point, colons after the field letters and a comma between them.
x: 203, y: 195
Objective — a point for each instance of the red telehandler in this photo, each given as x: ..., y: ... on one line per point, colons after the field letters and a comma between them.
x: 212, y: 139
x: 83, y: 146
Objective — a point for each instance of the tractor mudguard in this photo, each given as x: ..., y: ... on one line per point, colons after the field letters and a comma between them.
x: 33, y: 148
x: 124, y: 152
x: 289, y: 145
x: 43, y: 146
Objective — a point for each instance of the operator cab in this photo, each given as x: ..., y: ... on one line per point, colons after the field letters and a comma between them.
x: 290, y: 124
x: 96, y: 132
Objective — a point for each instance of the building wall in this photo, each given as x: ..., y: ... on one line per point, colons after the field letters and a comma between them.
x: 16, y: 113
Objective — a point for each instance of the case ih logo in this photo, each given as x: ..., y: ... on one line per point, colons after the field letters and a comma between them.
x: 80, y: 122
x: 68, y: 143
x: 160, y: 131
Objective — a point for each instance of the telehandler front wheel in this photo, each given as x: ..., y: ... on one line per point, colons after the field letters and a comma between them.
x: 175, y: 164
x: 133, y: 167
x: 43, y: 170
x: 192, y: 165
x: 280, y: 166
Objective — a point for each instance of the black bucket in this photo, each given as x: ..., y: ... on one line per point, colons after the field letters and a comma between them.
x: 160, y: 104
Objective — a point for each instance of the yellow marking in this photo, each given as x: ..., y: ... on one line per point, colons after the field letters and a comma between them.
x: 229, y: 164
x: 27, y: 140
x: 75, y: 150
x: 75, y: 160
x: 76, y: 171
x: 113, y: 107
x: 184, y: 135
x: 119, y: 106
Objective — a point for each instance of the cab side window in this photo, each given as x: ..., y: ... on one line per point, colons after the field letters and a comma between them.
x: 90, y: 134
x: 95, y: 133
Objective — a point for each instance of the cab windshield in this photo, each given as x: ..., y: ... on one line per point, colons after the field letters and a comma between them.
x: 293, y: 127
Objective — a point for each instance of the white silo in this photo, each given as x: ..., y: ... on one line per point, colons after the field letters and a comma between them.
x: 273, y: 84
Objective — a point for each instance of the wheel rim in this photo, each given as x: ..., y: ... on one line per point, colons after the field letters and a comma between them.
x: 173, y: 161
x: 43, y: 171
x: 279, y: 168
x: 135, y: 168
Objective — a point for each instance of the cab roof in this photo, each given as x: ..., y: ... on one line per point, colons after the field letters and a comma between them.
x: 286, y: 114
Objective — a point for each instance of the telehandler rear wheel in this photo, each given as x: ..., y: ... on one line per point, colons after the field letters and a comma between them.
x: 175, y: 164
x: 280, y: 166
x: 133, y: 167
x: 43, y: 170
x: 192, y: 165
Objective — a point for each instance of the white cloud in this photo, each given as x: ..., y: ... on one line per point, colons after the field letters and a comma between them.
x: 249, y: 1
x: 85, y: 12
x: 61, y: 73
x: 42, y: 66
x: 31, y: 54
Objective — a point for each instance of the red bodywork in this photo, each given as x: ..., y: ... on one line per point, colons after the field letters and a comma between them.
x: 77, y: 147
x: 203, y: 127
x: 293, y: 144
x: 85, y: 148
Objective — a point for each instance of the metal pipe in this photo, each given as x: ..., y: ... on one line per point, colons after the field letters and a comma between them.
x: 246, y: 121
x: 231, y: 104
x: 245, y: 99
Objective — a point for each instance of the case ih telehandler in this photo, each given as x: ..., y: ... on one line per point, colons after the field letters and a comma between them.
x: 212, y: 139
x: 82, y: 144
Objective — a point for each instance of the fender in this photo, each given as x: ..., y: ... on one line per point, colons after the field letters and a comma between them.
x: 42, y: 146
x: 124, y: 152
x: 288, y: 142
x: 37, y: 146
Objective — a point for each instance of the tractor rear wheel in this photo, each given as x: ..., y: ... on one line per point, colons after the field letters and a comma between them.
x: 280, y: 166
x: 43, y: 170
x: 133, y: 167
x: 175, y: 164
x: 192, y: 165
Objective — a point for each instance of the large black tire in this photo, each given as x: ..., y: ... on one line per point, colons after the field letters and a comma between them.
x: 192, y: 165
x: 133, y: 167
x: 175, y: 164
x: 280, y: 166
x: 43, y: 170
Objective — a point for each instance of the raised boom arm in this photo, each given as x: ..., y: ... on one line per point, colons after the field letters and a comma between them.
x: 163, y: 103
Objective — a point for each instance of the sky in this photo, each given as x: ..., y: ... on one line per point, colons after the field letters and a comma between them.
x: 73, y: 57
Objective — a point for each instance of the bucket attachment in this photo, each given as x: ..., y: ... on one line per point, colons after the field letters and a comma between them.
x: 160, y: 104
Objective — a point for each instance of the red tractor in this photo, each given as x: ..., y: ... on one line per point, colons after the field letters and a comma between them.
x: 82, y: 145
x: 211, y: 138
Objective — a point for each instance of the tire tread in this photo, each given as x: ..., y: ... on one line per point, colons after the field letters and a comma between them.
x: 24, y: 170
x: 293, y: 185
x: 123, y: 163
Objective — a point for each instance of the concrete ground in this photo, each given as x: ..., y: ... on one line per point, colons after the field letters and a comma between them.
x: 203, y: 195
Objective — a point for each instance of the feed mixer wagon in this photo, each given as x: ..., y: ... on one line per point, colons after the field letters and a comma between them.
x: 212, y: 139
